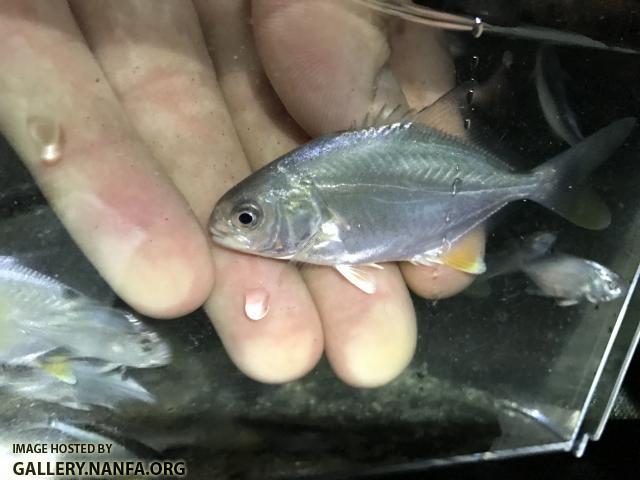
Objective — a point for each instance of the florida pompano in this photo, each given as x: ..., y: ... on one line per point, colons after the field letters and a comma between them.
x: 400, y: 189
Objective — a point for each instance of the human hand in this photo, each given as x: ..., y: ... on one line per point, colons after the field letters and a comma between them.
x: 163, y: 106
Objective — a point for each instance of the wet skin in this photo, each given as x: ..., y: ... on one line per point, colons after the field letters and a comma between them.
x: 165, y: 105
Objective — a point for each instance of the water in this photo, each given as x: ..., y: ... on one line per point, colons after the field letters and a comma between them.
x: 47, y: 138
x: 482, y: 364
x: 256, y: 303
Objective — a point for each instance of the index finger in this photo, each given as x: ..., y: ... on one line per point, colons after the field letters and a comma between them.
x: 114, y: 199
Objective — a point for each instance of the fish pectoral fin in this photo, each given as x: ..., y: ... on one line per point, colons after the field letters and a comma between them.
x: 359, y: 277
x: 466, y: 254
x: 59, y: 367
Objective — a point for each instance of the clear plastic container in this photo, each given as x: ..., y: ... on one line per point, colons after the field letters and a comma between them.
x: 498, y: 376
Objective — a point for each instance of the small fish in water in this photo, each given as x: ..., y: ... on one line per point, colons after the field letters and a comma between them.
x: 40, y: 315
x: 400, y: 189
x: 92, y: 386
x: 553, y: 96
x: 572, y: 280
x: 569, y: 279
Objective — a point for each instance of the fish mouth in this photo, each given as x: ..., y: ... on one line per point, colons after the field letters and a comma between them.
x: 216, y: 233
x: 223, y: 236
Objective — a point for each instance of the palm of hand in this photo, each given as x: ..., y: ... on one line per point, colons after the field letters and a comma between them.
x: 164, y: 106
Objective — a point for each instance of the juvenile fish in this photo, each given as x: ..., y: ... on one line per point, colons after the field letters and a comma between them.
x: 400, y: 189
x: 553, y: 96
x: 92, y: 386
x: 567, y: 278
x: 39, y: 315
x: 572, y: 280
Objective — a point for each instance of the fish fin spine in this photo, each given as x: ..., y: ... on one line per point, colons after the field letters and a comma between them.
x: 359, y: 277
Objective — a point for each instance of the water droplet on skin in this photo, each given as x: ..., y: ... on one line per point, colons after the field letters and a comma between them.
x: 467, y: 123
x: 48, y: 137
x: 455, y: 186
x: 447, y: 218
x: 475, y: 61
x: 256, y: 303
x: 478, y: 27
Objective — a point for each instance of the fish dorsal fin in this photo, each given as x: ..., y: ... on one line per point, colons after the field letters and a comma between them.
x: 387, y: 115
x: 449, y: 113
x: 454, y: 114
x: 457, y: 115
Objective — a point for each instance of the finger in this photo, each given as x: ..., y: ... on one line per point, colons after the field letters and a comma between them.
x: 308, y: 50
x: 114, y: 200
x: 327, y: 60
x: 421, y: 62
x: 265, y: 128
x: 159, y: 66
x: 370, y: 339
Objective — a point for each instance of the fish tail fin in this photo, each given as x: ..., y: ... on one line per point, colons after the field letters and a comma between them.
x: 560, y: 187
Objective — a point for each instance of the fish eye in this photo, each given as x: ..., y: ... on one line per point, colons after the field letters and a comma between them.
x: 611, y: 285
x: 145, y: 344
x: 246, y: 216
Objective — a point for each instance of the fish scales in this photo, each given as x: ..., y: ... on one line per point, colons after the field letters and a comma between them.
x: 402, y: 191
x: 431, y: 163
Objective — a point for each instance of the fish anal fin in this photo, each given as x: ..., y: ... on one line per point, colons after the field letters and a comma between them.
x: 466, y: 254
x: 359, y: 277
x: 59, y: 367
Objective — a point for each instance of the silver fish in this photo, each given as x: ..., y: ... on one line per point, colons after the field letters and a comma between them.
x: 572, y: 280
x: 553, y: 96
x: 39, y: 314
x: 92, y: 386
x: 402, y: 190
x: 569, y: 279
